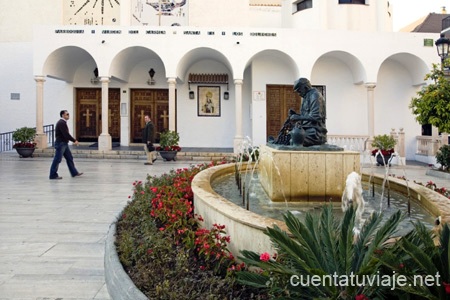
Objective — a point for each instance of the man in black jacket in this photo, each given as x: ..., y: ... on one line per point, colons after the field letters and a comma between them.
x: 63, y: 137
x: 148, y: 138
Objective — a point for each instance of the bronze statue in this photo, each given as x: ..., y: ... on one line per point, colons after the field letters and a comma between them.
x: 307, y: 128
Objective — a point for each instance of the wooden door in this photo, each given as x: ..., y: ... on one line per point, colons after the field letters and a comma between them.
x: 280, y: 98
x: 114, y: 114
x: 89, y: 114
x: 155, y: 103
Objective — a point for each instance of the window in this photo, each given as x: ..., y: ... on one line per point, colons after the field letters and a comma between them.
x: 304, y: 5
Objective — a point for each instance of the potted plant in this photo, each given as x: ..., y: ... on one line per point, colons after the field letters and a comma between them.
x: 384, y: 148
x: 168, y: 145
x: 24, y: 141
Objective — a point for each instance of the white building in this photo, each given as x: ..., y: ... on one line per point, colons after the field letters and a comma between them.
x: 246, y: 53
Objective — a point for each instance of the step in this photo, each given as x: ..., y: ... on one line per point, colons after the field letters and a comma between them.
x: 137, y: 154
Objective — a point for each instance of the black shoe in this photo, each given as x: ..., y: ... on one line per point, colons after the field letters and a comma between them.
x: 147, y: 163
x: 154, y: 160
x: 79, y: 174
x: 59, y: 177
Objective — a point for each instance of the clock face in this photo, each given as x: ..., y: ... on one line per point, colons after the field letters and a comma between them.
x: 91, y: 12
x: 159, y: 12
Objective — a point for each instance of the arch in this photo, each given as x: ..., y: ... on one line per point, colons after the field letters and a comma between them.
x: 352, y: 62
x: 63, y: 62
x: 127, y: 59
x: 415, y: 66
x: 280, y: 55
x: 198, y: 54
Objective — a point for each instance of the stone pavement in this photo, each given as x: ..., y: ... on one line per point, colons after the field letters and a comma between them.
x: 52, y: 232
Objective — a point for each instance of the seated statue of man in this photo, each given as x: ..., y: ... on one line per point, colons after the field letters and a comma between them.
x: 306, y: 128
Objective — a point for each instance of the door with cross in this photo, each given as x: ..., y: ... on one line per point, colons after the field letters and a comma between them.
x: 155, y: 103
x: 88, y: 114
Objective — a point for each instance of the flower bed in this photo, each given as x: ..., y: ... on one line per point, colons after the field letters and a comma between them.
x: 166, y: 252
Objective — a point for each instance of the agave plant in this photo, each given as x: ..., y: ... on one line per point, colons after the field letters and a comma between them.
x: 321, y: 246
x: 423, y: 264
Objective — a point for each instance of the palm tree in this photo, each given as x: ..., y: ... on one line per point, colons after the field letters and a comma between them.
x: 324, y: 248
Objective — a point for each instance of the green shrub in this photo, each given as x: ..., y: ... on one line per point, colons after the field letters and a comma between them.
x: 383, y: 142
x: 416, y: 258
x: 443, y: 157
x: 321, y: 246
x: 24, y: 137
x: 168, y: 141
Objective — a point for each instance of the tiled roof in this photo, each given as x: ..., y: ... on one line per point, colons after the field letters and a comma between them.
x: 431, y: 23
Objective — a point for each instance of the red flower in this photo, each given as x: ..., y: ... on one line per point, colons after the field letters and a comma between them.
x: 447, y: 287
x: 383, y: 152
x: 361, y: 297
x: 264, y: 257
x: 24, y: 145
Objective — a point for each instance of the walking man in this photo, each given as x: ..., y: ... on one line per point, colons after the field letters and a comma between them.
x: 148, y: 138
x: 63, y: 137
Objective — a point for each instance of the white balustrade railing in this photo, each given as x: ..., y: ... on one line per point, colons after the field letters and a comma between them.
x: 429, y: 145
x: 349, y: 142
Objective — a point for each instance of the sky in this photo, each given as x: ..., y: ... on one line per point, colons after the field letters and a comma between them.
x: 406, y: 12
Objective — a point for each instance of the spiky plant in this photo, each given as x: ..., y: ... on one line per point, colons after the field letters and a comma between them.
x: 423, y: 264
x: 320, y: 246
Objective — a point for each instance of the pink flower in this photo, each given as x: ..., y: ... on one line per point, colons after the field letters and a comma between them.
x: 264, y: 257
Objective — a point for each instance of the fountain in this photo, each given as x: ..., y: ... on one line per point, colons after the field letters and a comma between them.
x: 297, y: 167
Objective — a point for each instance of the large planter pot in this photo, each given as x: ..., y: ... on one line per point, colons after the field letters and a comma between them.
x: 168, y: 155
x: 25, y: 152
x: 381, y: 159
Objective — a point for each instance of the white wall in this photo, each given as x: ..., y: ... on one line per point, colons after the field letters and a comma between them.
x: 197, y: 131
x: 346, y: 102
x: 393, y: 94
x: 267, y: 69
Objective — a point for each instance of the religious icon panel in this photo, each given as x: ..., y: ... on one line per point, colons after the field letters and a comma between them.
x: 208, y: 102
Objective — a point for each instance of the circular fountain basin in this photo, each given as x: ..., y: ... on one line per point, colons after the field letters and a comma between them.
x: 246, y: 228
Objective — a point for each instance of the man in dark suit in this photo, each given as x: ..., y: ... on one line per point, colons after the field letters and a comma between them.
x: 148, y: 138
x: 63, y: 137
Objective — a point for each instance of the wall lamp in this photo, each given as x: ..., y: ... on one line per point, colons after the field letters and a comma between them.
x: 226, y: 95
x: 95, y: 80
x: 151, y: 81
x: 191, y: 95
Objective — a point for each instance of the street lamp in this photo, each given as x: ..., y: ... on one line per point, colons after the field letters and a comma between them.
x: 442, y: 45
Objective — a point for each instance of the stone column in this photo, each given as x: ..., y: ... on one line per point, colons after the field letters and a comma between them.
x: 41, y: 137
x: 104, y: 140
x: 401, y: 146
x: 444, y: 138
x: 238, y: 114
x: 370, y: 86
x: 172, y: 117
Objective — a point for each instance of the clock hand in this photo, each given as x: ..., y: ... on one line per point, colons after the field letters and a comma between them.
x: 82, y: 6
x: 110, y: 3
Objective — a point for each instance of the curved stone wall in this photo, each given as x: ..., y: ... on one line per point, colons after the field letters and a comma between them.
x: 246, y: 228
